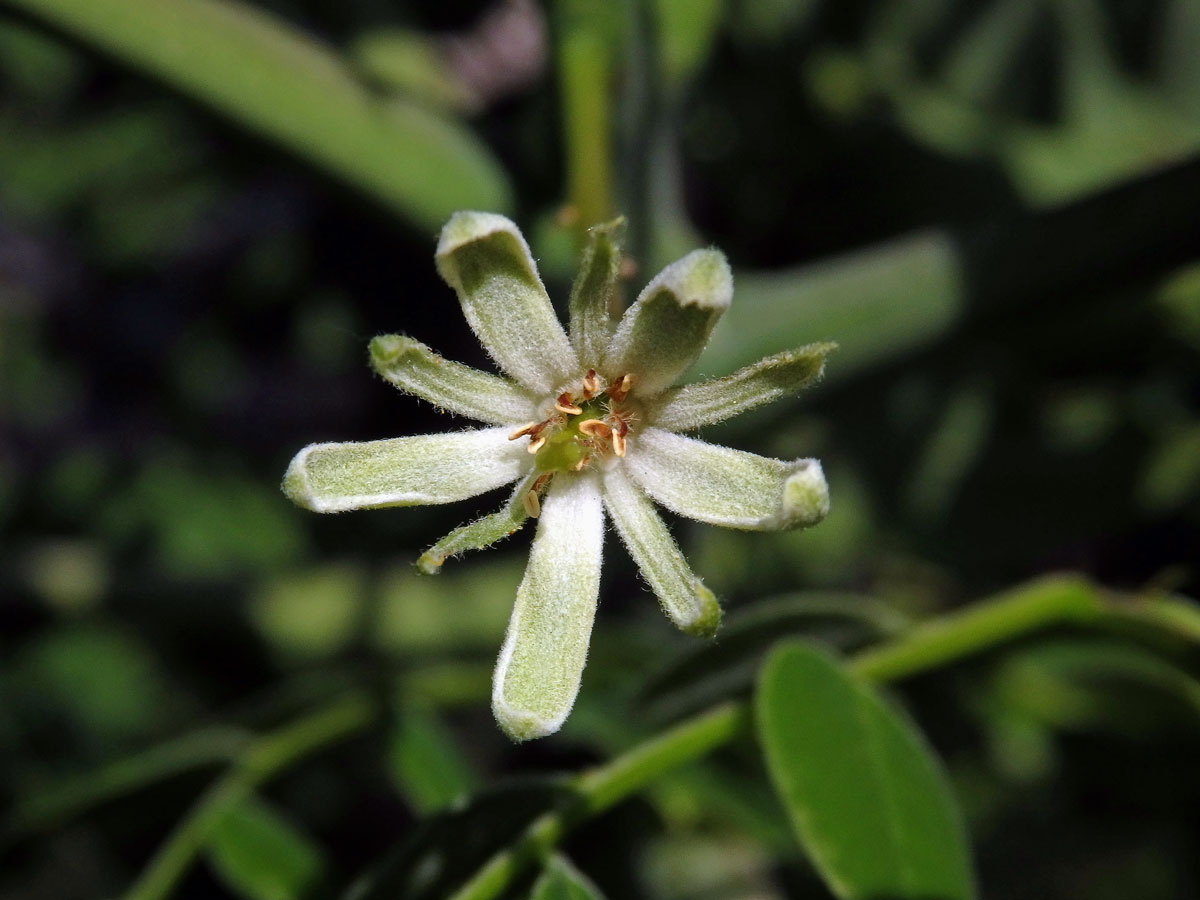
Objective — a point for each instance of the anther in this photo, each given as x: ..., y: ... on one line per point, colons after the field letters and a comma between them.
x: 527, y: 428
x: 536, y: 445
x: 594, y: 428
x: 591, y: 384
x: 619, y: 389
x: 618, y: 440
x: 564, y: 405
x: 533, y: 506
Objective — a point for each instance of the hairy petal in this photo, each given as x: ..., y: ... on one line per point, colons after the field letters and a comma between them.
x: 486, y: 260
x: 669, y: 324
x: 483, y: 532
x: 541, y: 662
x: 684, y: 598
x: 697, y: 405
x: 594, y: 289
x: 417, y: 370
x: 407, y: 471
x: 727, y: 487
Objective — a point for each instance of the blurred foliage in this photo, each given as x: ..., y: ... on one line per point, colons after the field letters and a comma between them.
x: 991, y: 207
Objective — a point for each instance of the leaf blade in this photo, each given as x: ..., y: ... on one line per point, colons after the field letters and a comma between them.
x: 866, y: 796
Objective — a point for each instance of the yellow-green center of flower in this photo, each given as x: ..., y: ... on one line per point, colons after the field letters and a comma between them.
x: 569, y: 447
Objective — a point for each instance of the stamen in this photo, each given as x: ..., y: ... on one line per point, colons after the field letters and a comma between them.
x: 564, y: 405
x: 618, y: 440
x: 619, y: 389
x: 594, y: 428
x: 533, y: 506
x: 583, y: 462
x: 527, y: 428
x: 591, y: 384
x: 536, y: 445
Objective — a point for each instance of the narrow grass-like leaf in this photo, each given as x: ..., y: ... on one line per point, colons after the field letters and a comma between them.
x: 865, y: 793
x: 562, y: 881
x: 272, y: 78
x: 262, y: 856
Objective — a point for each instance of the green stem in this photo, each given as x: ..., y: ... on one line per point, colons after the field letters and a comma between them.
x: 48, y: 807
x: 585, y: 69
x: 601, y: 788
x: 1037, y: 605
x: 264, y: 758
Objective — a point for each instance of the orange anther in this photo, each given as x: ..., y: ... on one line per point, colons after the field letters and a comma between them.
x: 527, y: 428
x: 565, y: 405
x: 533, y: 506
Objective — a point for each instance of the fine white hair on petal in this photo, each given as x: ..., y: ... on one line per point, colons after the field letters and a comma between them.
x: 665, y: 329
x: 728, y: 487
x: 406, y: 471
x: 540, y: 665
x: 684, y: 598
x: 484, y: 257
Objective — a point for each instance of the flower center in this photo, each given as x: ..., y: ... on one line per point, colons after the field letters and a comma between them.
x: 586, y: 424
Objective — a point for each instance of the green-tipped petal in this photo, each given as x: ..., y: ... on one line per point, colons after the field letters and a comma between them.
x: 407, y: 471
x: 486, y: 260
x: 684, y: 598
x: 669, y: 324
x: 417, y: 370
x: 697, y: 405
x: 482, y: 532
x: 727, y: 487
x: 537, y: 675
x: 594, y: 289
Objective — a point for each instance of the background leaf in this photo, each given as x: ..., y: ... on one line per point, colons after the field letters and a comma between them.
x: 561, y: 881
x: 276, y: 81
x: 262, y: 856
x: 865, y: 794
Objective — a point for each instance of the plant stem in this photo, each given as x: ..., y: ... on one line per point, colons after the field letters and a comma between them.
x: 979, y: 627
x: 48, y: 807
x: 585, y: 68
x: 264, y: 758
x: 599, y: 789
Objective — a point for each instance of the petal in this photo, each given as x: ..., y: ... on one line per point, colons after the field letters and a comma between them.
x: 727, y: 487
x: 593, y: 295
x: 407, y: 471
x: 696, y: 405
x: 417, y: 370
x: 486, y: 260
x: 537, y: 675
x: 665, y: 330
x: 684, y: 598
x: 483, y: 532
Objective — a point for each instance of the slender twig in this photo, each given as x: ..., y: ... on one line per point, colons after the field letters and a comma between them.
x: 585, y: 69
x: 985, y: 625
x: 264, y: 758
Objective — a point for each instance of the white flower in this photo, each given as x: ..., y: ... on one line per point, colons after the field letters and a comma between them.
x: 582, y: 424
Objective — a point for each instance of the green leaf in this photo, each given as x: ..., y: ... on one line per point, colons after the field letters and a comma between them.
x: 262, y: 856
x: 562, y: 881
x: 273, y: 79
x: 868, y: 799
x: 425, y: 762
